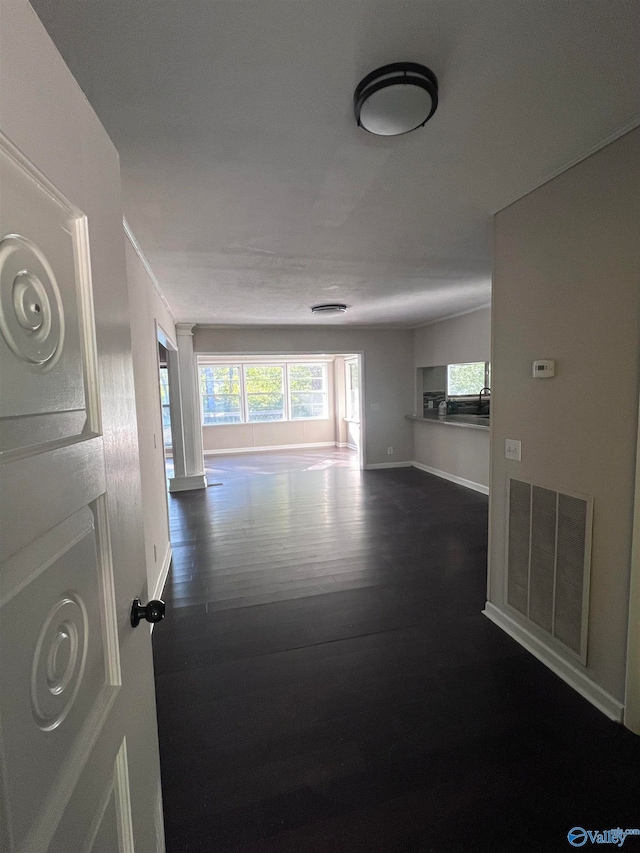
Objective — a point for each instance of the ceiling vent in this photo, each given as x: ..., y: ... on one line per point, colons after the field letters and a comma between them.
x: 329, y: 308
x: 396, y: 99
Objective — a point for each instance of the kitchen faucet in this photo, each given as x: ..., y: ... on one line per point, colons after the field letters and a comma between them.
x: 488, y: 390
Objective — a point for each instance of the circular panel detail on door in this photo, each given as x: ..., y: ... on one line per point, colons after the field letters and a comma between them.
x: 59, y: 661
x: 31, y: 314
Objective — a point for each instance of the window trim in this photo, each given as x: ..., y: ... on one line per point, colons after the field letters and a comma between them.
x: 286, y: 384
x: 348, y: 364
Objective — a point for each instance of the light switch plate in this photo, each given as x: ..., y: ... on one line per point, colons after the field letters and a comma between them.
x: 513, y: 449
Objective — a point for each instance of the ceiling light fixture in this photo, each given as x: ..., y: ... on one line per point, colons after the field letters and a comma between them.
x: 329, y: 308
x: 396, y: 99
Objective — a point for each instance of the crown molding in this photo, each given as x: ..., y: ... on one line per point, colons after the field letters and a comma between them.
x: 482, y: 307
x: 131, y: 237
x: 624, y: 129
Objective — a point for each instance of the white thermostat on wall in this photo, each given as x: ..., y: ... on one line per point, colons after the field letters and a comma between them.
x: 545, y: 368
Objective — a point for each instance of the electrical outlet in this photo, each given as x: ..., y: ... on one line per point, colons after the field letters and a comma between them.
x: 513, y: 449
x: 389, y: 451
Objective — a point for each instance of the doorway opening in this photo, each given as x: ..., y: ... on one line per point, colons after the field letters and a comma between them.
x: 166, y: 388
x: 286, y: 401
x: 167, y: 440
x: 352, y: 405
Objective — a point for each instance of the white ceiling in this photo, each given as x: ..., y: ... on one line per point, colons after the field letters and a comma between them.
x: 253, y: 193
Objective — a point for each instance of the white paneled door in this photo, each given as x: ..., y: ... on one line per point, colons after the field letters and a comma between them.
x: 78, y: 738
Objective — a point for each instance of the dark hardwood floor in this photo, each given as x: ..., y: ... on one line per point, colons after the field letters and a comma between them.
x: 326, y: 680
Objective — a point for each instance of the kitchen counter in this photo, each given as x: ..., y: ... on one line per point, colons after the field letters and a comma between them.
x: 466, y: 421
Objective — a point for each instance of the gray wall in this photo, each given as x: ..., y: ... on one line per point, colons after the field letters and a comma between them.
x: 566, y: 286
x: 388, y: 368
x: 462, y: 453
x: 463, y: 338
x: 459, y: 452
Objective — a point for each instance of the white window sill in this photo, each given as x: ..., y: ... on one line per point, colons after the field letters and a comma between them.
x: 281, y: 421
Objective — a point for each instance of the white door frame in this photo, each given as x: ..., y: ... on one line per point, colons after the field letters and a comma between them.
x: 363, y: 431
x: 164, y: 339
x: 632, y: 693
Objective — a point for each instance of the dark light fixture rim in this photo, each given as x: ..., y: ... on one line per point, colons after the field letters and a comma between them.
x: 411, y: 73
x: 325, y: 307
x: 400, y: 68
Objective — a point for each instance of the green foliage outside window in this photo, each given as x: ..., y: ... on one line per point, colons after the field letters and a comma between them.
x: 265, y: 397
x: 164, y: 402
x: 466, y: 379
x: 265, y: 392
x: 306, y: 377
x: 353, y: 393
x: 306, y: 384
x: 220, y: 390
x: 264, y: 379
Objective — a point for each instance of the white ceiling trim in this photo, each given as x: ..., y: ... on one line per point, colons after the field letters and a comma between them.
x: 453, y: 316
x: 292, y: 327
x: 131, y: 237
x: 626, y: 128
x: 234, y: 358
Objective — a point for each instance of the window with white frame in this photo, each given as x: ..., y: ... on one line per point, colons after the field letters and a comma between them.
x: 164, y: 403
x: 264, y: 391
x: 307, y: 391
x: 353, y: 391
x: 467, y: 379
x: 257, y: 392
x: 221, y: 397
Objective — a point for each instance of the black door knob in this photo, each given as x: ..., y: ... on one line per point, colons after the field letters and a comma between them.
x: 152, y: 612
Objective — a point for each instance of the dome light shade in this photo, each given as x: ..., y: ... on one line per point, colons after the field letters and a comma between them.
x: 396, y: 99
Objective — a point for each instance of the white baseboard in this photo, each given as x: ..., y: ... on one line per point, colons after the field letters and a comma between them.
x: 162, y: 579
x: 185, y: 484
x: 346, y: 444
x: 164, y: 571
x: 566, y: 670
x: 227, y: 450
x: 374, y: 466
x: 477, y: 487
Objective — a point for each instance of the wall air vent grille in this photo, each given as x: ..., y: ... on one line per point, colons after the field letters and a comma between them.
x: 548, y: 561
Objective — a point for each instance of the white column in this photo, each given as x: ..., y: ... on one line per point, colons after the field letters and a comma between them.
x: 186, y: 417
